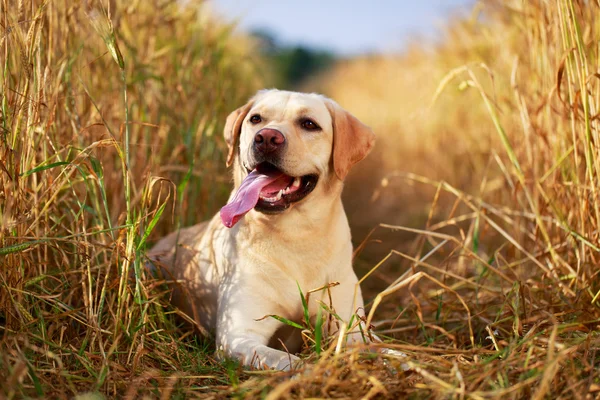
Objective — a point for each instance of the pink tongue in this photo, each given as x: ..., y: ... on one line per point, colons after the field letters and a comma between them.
x: 247, y: 195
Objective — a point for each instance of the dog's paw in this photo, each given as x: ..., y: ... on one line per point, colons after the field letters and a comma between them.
x: 392, y: 352
x: 395, y: 354
x: 276, y: 359
x: 288, y: 362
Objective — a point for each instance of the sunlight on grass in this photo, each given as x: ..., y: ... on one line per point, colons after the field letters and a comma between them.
x: 100, y: 106
x: 475, y: 220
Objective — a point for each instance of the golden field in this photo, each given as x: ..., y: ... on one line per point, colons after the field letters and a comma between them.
x: 475, y: 218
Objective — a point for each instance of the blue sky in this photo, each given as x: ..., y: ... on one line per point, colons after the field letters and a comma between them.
x: 347, y: 27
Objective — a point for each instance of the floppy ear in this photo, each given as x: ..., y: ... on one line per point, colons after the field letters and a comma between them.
x: 352, y: 140
x: 233, y: 129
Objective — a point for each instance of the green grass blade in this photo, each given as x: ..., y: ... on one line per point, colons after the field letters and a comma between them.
x: 304, y: 306
x: 15, y: 248
x: 285, y: 321
x: 151, y: 226
x: 319, y: 331
x: 36, y: 382
x: 45, y: 167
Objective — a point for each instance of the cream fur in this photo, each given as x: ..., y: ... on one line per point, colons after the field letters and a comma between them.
x: 231, y: 278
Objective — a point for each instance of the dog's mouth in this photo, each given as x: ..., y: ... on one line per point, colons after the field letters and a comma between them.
x: 285, y: 190
x: 269, y: 190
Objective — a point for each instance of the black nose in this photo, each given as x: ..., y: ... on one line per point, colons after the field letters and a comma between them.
x: 268, y: 140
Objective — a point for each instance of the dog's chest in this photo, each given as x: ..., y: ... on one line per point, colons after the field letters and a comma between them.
x: 281, y: 270
x: 276, y: 264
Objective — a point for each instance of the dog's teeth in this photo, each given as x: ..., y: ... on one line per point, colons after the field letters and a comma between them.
x: 278, y: 197
x: 296, y: 182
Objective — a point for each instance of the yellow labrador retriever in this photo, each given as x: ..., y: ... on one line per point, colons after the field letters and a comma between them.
x: 284, y: 226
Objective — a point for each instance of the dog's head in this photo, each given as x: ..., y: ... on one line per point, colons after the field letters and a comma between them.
x: 285, y: 145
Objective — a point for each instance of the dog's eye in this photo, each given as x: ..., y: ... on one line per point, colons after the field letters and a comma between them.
x: 309, y: 125
x: 255, y: 119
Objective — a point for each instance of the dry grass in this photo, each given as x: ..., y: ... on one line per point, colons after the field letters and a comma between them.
x: 487, y: 197
x: 488, y: 145
x: 93, y: 113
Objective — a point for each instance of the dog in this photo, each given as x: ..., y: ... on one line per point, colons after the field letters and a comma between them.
x: 283, y: 230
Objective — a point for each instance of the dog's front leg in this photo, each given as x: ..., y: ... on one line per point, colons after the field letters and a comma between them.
x: 240, y: 335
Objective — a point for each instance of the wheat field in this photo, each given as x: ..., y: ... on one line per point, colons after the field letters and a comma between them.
x: 475, y: 220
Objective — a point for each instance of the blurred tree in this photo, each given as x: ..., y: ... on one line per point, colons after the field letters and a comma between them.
x: 291, y: 65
